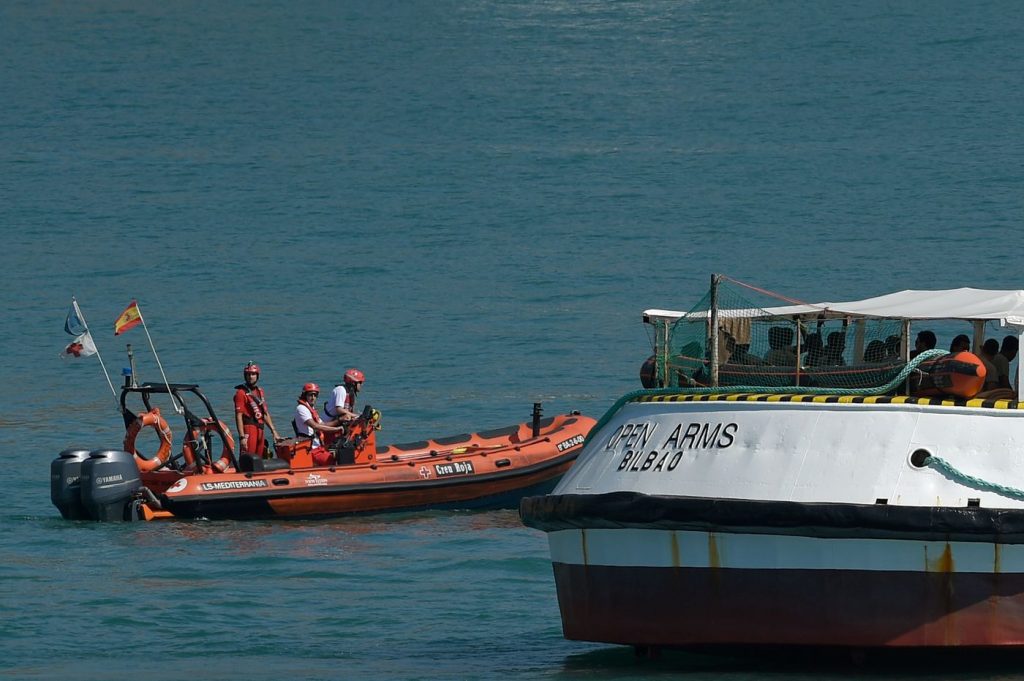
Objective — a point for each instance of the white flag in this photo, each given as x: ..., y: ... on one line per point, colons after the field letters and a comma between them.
x: 82, y: 346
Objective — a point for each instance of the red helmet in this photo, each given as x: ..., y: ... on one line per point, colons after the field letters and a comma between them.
x: 251, y: 368
x: 354, y: 376
x: 310, y: 388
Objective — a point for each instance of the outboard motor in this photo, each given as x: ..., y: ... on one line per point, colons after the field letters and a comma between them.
x: 65, y: 472
x: 110, y: 480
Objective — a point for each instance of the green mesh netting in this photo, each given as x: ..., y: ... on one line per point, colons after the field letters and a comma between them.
x: 761, y: 345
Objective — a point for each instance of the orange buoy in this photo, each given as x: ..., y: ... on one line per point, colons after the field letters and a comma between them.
x: 648, y: 373
x: 961, y: 374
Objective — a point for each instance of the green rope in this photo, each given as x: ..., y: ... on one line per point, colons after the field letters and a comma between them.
x: 971, y: 481
x: 760, y: 389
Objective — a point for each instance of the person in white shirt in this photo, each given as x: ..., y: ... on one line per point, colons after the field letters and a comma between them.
x: 341, y: 404
x: 307, y: 421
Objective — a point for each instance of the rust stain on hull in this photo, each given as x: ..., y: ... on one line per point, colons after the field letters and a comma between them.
x: 714, y: 560
x: 943, y: 563
x: 945, y: 566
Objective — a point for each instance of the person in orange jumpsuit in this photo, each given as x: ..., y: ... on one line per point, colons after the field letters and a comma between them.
x: 252, y: 414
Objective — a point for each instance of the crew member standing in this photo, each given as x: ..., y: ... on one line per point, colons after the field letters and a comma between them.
x: 251, y: 413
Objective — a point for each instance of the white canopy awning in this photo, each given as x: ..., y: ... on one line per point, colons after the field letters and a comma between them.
x: 972, y: 304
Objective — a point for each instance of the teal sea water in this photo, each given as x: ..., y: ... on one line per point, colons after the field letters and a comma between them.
x: 472, y: 201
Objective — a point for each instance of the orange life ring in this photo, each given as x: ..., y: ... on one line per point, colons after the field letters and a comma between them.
x: 208, y: 425
x: 156, y: 421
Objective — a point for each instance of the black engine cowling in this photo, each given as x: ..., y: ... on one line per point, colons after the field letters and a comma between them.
x: 65, y: 483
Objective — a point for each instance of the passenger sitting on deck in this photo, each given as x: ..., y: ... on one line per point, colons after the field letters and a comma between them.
x: 892, y: 348
x: 875, y: 352
x: 834, y: 349
x: 1001, y: 361
x: 307, y: 421
x: 1009, y: 350
x: 925, y: 340
x: 741, y: 354
x: 780, y: 342
x: 815, y: 350
x: 961, y: 343
x: 989, y: 350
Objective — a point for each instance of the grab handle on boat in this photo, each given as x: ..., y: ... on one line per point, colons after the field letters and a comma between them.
x: 537, y: 411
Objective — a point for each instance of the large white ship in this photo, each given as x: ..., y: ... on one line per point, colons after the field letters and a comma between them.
x: 802, y: 496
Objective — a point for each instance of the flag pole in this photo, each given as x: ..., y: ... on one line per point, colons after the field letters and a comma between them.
x: 142, y: 319
x: 74, y: 301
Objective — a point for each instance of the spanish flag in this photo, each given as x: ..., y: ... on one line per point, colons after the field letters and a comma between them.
x: 129, y: 319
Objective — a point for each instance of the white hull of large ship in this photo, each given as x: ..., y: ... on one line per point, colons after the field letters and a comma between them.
x: 792, y: 520
x: 803, y: 448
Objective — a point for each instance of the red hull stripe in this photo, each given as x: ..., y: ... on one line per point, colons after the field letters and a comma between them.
x: 696, y: 607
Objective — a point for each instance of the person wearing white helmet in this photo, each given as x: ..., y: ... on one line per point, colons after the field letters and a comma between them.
x: 341, y: 405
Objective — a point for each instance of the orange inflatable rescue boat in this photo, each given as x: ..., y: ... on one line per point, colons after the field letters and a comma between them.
x: 205, y: 479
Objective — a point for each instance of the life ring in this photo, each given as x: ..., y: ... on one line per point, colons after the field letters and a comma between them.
x: 156, y: 421
x: 208, y: 425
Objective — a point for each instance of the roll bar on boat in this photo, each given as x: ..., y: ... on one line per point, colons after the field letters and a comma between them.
x: 193, y: 422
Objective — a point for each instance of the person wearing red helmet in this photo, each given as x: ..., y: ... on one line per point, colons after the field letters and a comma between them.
x: 307, y: 420
x: 342, y: 403
x: 251, y: 413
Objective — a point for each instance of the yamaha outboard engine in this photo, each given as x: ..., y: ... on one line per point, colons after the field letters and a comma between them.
x: 110, y: 480
x: 65, y: 472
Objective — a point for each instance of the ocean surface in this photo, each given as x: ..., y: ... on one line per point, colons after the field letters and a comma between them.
x: 472, y: 201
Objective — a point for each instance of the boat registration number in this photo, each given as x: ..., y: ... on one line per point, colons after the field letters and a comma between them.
x: 570, y: 443
x: 444, y: 470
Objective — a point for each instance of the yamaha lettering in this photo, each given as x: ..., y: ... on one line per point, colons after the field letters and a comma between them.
x: 685, y: 437
x: 231, y: 484
x: 454, y: 468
